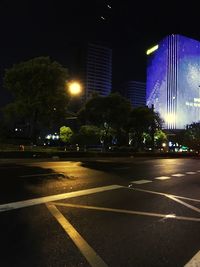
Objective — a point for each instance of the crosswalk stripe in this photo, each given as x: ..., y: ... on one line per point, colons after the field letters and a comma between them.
x: 178, y: 174
x: 162, y: 178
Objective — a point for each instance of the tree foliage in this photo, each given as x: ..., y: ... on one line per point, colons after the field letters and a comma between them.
x: 108, y: 113
x: 65, y: 134
x: 39, y: 95
x: 192, y: 136
x: 160, y: 138
x: 113, y: 110
x: 88, y: 135
x: 143, y: 120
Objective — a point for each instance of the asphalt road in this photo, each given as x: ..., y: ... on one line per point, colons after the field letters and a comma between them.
x: 100, y: 212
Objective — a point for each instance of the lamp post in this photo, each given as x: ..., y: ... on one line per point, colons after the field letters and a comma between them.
x: 74, y: 89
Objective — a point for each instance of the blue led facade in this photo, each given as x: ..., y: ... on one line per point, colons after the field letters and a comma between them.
x: 173, y: 81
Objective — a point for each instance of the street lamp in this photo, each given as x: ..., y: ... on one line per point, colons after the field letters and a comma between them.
x: 74, y: 88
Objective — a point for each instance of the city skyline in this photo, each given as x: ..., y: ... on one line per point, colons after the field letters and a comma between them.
x: 40, y: 28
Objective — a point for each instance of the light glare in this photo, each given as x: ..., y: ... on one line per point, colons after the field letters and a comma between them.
x: 170, y: 118
x: 74, y: 88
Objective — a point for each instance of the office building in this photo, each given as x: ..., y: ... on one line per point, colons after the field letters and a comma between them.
x: 173, y: 80
x: 135, y: 92
x: 98, y: 74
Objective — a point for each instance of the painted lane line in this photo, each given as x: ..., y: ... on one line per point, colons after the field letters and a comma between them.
x: 184, y: 203
x: 40, y: 174
x: 162, y: 178
x: 191, y: 172
x: 195, y: 261
x: 141, y: 182
x: 198, y: 171
x: 163, y: 194
x: 42, y: 200
x: 86, y: 250
x: 132, y: 212
x: 178, y: 174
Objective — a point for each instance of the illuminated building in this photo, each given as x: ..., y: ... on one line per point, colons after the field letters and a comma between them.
x: 173, y: 80
x: 135, y: 92
x: 98, y: 76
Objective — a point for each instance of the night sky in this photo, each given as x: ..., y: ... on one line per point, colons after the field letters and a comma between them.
x: 56, y: 28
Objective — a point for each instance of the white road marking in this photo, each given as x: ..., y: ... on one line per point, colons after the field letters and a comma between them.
x: 184, y: 203
x: 198, y: 171
x: 164, y: 194
x: 195, y: 261
x: 42, y: 200
x: 87, y: 251
x: 162, y: 178
x: 191, y: 172
x: 141, y: 182
x: 178, y: 174
x: 173, y: 198
x: 133, y: 212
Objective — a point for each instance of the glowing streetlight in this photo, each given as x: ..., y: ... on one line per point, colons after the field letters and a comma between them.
x: 74, y: 88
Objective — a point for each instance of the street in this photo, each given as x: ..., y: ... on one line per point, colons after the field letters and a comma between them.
x: 100, y: 212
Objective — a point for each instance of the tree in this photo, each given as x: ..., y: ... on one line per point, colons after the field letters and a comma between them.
x: 65, y: 134
x: 192, y: 136
x: 108, y: 113
x: 88, y: 135
x: 143, y: 120
x: 39, y: 95
x: 160, y: 138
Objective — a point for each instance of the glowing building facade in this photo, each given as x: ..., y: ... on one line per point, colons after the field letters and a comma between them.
x: 173, y: 80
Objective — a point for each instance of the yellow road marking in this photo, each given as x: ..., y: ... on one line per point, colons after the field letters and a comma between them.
x: 87, y: 251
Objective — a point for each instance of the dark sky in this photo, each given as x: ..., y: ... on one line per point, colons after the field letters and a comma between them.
x: 53, y: 27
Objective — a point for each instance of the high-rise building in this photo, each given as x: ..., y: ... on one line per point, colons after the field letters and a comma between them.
x: 98, y: 71
x: 173, y: 80
x: 135, y: 92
